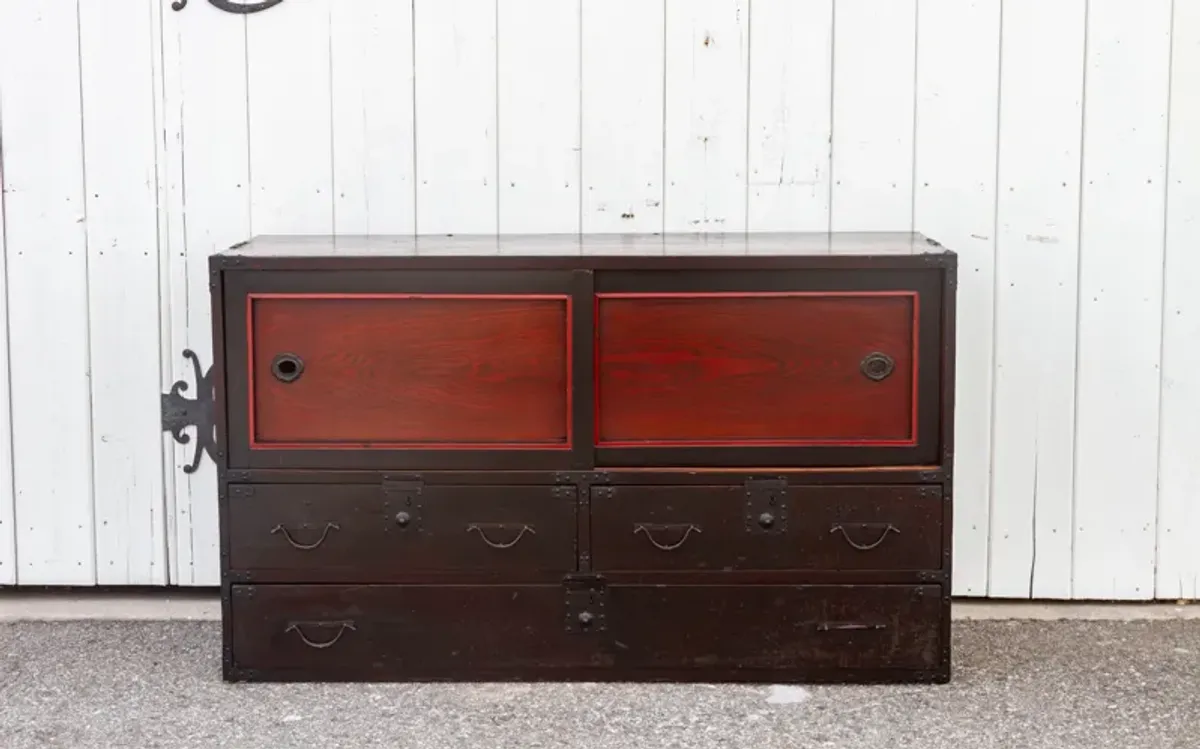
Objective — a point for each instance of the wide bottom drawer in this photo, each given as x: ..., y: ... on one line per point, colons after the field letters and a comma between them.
x: 588, y: 631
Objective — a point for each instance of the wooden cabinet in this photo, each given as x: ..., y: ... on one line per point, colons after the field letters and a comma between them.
x: 647, y: 458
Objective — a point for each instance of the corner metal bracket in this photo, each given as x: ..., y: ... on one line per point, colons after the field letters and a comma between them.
x: 179, y: 413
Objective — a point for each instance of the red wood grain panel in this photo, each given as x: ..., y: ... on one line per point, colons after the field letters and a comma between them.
x: 429, y: 371
x: 754, y: 369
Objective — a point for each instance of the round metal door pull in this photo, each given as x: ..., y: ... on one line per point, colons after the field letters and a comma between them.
x: 287, y: 367
x: 877, y: 366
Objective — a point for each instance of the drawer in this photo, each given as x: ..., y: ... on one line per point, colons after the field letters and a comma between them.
x: 396, y: 531
x: 776, y: 627
x: 404, y: 631
x: 770, y: 633
x: 761, y: 527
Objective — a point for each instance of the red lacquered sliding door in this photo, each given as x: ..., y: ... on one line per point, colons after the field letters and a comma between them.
x: 416, y: 369
x: 766, y: 368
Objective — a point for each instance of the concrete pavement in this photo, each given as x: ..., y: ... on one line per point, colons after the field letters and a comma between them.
x: 1021, y: 684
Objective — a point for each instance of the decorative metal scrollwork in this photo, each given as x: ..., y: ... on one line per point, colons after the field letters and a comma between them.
x: 179, y: 413
x: 231, y: 7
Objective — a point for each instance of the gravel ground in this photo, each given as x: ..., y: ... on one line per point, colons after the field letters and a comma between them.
x: 1017, y: 685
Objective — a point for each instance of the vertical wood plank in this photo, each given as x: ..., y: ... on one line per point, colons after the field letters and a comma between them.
x: 45, y: 226
x: 1037, y: 265
x: 874, y: 97
x: 1120, y: 315
x: 958, y: 60
x: 539, y: 115
x: 791, y: 84
x: 115, y: 49
x: 707, y: 59
x: 1179, y: 478
x: 162, y: 174
x: 291, y: 159
x: 8, y: 514
x: 623, y: 73
x: 455, y: 43
x: 372, y: 100
x: 208, y: 194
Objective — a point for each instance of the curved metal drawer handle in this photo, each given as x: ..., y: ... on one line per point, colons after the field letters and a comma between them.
x: 649, y: 528
x: 848, y: 626
x: 306, y: 547
x: 342, y: 627
x: 888, y: 528
x: 479, y: 527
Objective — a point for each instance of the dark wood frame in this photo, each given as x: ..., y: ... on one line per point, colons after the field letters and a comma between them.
x: 229, y: 280
x: 576, y: 276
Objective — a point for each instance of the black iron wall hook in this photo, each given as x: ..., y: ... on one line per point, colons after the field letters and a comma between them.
x: 231, y: 7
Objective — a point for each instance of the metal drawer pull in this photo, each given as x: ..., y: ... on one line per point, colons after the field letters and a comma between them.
x: 844, y: 626
x: 479, y: 527
x: 342, y: 627
x: 306, y: 547
x: 287, y: 367
x: 649, y: 528
x: 877, y: 366
x: 888, y: 528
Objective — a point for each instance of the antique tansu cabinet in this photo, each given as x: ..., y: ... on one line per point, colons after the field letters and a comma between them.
x: 585, y: 458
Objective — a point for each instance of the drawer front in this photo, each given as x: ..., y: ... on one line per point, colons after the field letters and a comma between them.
x: 402, y: 631
x: 369, y: 533
x: 762, y: 633
x: 841, y: 528
x: 777, y: 627
x: 767, y: 369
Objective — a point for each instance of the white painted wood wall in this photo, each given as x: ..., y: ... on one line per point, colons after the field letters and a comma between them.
x: 1054, y: 143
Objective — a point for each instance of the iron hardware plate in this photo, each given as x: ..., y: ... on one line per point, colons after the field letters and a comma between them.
x: 179, y: 413
x: 766, y: 506
x: 584, y: 605
x: 403, y: 505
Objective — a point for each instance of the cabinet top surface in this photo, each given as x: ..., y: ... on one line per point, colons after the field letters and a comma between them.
x: 802, y: 244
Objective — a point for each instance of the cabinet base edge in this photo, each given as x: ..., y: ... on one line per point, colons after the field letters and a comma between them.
x: 233, y: 674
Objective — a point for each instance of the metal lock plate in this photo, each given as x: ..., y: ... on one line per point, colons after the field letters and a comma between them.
x: 766, y: 506
x: 402, y: 506
x: 584, y: 609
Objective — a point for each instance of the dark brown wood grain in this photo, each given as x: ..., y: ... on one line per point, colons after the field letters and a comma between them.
x: 405, y: 632
x: 589, y: 432
x: 419, y: 371
x: 860, y: 528
x: 777, y: 627
x: 351, y: 533
x: 671, y: 249
x: 754, y: 368
x: 774, y: 633
x: 656, y: 476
